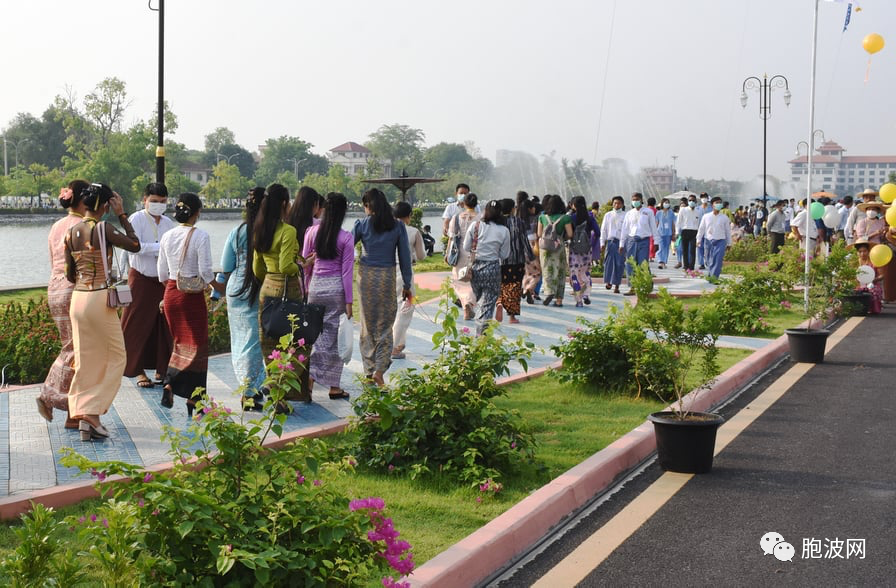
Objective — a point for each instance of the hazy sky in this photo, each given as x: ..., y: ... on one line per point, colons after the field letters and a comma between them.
x: 514, y: 74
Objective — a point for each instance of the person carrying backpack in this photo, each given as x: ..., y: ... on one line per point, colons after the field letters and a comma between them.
x: 584, y: 227
x: 554, y: 227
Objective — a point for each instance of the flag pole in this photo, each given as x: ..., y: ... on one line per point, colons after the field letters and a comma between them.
x: 809, y: 158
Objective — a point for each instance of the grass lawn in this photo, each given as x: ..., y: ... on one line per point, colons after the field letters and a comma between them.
x: 21, y: 295
x: 779, y: 319
x: 433, y: 263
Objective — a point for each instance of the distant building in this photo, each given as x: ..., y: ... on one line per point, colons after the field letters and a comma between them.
x: 354, y: 158
x: 196, y: 172
x: 842, y: 174
x: 659, y: 181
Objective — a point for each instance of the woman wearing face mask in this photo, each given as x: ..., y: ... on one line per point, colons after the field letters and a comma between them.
x: 872, y: 225
x: 96, y: 330
x: 665, y: 225
x: 146, y: 335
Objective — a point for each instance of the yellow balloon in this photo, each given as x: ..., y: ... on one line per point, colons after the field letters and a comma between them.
x: 881, y: 255
x: 873, y: 43
x: 888, y: 193
x: 891, y: 216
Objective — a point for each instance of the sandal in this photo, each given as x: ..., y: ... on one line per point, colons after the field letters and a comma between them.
x: 167, y: 397
x: 341, y: 395
x: 144, y: 382
x: 158, y: 379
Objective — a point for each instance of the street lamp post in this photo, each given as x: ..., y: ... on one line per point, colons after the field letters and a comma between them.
x: 765, y: 86
x: 220, y: 156
x: 5, y: 159
x: 160, y: 144
x: 810, y: 149
x: 296, y: 163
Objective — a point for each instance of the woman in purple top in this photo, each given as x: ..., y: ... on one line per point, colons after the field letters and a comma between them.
x: 331, y: 286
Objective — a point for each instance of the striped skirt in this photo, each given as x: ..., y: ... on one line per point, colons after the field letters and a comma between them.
x: 54, y: 392
x: 378, y: 309
x: 326, y: 365
x: 99, y: 354
x: 187, y: 317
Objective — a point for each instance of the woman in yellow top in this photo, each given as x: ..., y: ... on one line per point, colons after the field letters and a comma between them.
x: 275, y: 265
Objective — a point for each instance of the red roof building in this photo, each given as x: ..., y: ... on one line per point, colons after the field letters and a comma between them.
x: 354, y: 157
x: 832, y: 171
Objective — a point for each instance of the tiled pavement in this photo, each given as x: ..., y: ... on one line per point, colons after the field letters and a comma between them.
x: 29, y: 446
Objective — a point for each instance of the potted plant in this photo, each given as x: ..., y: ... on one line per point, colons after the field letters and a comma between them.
x: 684, y: 340
x: 831, y: 279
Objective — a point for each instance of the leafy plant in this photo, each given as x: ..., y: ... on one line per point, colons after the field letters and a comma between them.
x: 442, y: 418
x: 830, y: 278
x: 749, y: 248
x: 744, y: 302
x: 641, y: 280
x: 232, y: 513
x: 592, y: 355
x: 29, y: 341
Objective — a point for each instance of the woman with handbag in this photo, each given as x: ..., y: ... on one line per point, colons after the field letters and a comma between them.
x: 99, y: 351
x: 458, y: 226
x: 381, y: 236
x: 488, y: 242
x: 275, y: 265
x: 54, y: 392
x: 242, y: 304
x: 185, y: 267
x: 332, y: 271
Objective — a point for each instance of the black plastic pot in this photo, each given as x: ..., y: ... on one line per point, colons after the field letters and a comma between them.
x: 807, y: 346
x: 685, y: 445
x: 858, y: 304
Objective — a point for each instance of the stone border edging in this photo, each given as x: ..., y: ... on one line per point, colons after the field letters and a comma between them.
x: 480, y: 554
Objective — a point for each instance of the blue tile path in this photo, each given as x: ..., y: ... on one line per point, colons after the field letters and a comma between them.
x: 29, y: 446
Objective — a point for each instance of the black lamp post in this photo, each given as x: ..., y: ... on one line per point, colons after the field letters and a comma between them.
x: 160, y: 144
x: 765, y: 86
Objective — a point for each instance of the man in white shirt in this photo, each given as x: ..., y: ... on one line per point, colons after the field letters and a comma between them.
x: 844, y: 209
x: 610, y: 231
x: 715, y: 235
x: 638, y: 226
x: 788, y: 214
x: 686, y: 228
x: 146, y: 336
x: 456, y: 207
x: 702, y: 208
x: 798, y: 226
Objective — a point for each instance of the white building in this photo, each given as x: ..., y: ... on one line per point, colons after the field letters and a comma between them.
x: 842, y: 174
x: 354, y: 159
x: 196, y: 172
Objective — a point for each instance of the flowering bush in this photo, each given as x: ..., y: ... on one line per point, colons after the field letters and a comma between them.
x: 744, y: 303
x: 29, y: 341
x: 230, y: 512
x: 749, y: 248
x: 442, y: 418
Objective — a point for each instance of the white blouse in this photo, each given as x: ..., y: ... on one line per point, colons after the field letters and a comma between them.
x: 197, y: 262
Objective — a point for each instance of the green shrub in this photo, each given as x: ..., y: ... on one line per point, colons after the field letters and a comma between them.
x: 744, y: 303
x: 592, y: 356
x: 41, y: 558
x: 218, y: 328
x: 232, y: 513
x: 749, y: 248
x: 29, y: 341
x: 442, y: 418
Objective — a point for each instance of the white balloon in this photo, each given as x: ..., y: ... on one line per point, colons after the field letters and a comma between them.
x: 865, y: 275
x: 831, y: 218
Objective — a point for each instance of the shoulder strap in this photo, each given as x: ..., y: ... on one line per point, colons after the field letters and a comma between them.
x: 183, y: 254
x: 102, y: 237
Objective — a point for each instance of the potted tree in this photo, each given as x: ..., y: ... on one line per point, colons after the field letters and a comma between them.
x: 684, y: 340
x: 831, y: 280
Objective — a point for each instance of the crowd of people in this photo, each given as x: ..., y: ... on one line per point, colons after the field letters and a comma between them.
x: 503, y: 252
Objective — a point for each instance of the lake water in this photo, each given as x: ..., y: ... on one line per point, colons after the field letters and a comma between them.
x: 25, y: 258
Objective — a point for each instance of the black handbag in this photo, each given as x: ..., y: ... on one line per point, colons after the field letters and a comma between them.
x: 309, y: 318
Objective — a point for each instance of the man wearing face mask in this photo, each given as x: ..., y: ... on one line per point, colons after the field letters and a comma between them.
x: 715, y: 235
x: 456, y: 207
x: 702, y: 209
x: 638, y: 226
x: 610, y: 236
x: 146, y: 336
x: 686, y: 228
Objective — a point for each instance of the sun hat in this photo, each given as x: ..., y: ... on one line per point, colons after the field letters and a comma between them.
x: 873, y: 204
x: 867, y: 192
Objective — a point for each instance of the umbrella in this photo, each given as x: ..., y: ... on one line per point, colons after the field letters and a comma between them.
x: 403, y: 182
x: 680, y: 194
x: 817, y: 195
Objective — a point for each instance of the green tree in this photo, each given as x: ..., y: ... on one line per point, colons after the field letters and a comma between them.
x: 287, y: 154
x: 218, y: 138
x: 40, y: 140
x: 234, y: 154
x: 400, y: 144
x: 443, y: 157
x: 226, y: 182
x: 105, y: 107
x: 35, y: 180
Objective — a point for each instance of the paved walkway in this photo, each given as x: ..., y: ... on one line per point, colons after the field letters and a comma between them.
x: 29, y: 446
x: 805, y: 457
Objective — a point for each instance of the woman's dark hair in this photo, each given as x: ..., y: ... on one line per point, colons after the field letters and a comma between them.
x: 555, y: 205
x: 581, y: 209
x: 77, y: 189
x: 301, y: 212
x: 187, y: 205
x: 268, y: 217
x: 335, y: 206
x: 156, y: 188
x: 402, y: 210
x: 492, y: 213
x: 522, y: 205
x: 380, y: 210
x: 545, y: 200
x: 471, y: 200
x: 507, y: 206
x: 251, y: 285
x: 95, y: 195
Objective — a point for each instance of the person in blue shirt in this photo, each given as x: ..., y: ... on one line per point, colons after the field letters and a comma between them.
x: 381, y: 237
x: 665, y: 225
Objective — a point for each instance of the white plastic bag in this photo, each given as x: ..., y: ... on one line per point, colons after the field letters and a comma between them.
x: 345, y: 338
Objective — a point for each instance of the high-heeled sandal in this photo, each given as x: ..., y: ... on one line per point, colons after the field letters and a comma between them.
x: 167, y: 397
x: 90, y: 431
x: 191, y: 406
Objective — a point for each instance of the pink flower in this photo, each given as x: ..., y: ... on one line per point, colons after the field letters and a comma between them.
x: 300, y: 479
x: 140, y: 503
x: 301, y: 359
x: 105, y: 523
x: 147, y: 478
x: 82, y: 520
x: 465, y: 330
x: 155, y: 513
x: 352, y: 462
x: 317, y: 482
x: 391, y: 467
x: 275, y: 354
x: 229, y: 548
x: 301, y: 342
x: 65, y: 194
x: 513, y: 444
x: 479, y: 499
x: 93, y: 518
x: 292, y: 350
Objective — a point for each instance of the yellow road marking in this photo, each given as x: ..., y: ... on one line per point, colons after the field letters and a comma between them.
x: 595, y: 549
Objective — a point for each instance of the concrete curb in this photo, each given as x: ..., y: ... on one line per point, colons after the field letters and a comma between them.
x: 488, y: 549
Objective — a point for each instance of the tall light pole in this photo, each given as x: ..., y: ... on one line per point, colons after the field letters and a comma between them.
x: 160, y: 143
x: 765, y: 86
x: 220, y: 156
x: 674, y: 159
x: 5, y: 158
x: 810, y: 148
x: 296, y: 163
